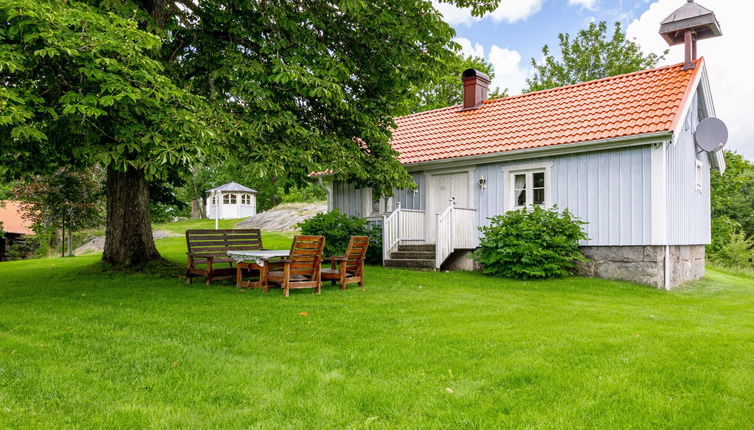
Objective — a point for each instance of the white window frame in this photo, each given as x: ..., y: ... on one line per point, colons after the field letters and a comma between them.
x: 699, y: 172
x: 246, y: 199
x: 231, y: 199
x: 509, y: 174
x: 386, y: 205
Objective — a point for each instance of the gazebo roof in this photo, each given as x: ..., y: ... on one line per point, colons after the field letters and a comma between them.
x: 231, y: 187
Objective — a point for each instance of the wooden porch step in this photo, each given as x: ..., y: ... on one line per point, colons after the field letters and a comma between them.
x: 410, y: 263
x: 413, y: 255
x: 425, y: 247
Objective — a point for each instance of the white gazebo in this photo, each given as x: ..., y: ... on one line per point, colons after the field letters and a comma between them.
x: 231, y: 201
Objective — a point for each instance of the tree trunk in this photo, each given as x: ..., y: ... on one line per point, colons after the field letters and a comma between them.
x: 198, y: 195
x: 70, y: 242
x: 128, y: 235
x: 199, y: 202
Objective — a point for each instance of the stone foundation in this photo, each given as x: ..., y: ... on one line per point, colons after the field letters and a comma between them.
x: 640, y: 264
x: 686, y: 263
x: 644, y: 264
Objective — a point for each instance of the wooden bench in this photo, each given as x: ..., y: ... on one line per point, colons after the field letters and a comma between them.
x: 209, y: 248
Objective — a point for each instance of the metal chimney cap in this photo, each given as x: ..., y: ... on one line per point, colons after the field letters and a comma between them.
x: 473, y: 73
x: 691, y: 16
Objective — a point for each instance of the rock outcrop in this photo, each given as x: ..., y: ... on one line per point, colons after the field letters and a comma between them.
x: 283, y: 217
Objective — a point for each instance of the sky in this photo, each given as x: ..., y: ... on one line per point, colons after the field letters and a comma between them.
x: 515, y: 33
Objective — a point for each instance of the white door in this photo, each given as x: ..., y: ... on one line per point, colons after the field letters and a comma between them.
x: 443, y: 189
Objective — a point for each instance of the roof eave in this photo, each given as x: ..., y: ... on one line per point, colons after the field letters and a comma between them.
x: 551, y: 150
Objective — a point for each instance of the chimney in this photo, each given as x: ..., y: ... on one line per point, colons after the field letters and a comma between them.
x: 475, y: 86
x: 691, y: 22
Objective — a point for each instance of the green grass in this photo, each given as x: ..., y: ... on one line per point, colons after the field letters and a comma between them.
x: 84, y: 348
x: 183, y: 225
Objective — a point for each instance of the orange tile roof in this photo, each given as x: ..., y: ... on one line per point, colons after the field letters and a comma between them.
x: 11, y: 219
x: 637, y: 103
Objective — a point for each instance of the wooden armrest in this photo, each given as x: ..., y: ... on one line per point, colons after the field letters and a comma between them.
x: 335, y: 258
x: 278, y: 261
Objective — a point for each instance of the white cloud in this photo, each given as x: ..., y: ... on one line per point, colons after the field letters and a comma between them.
x: 454, y: 15
x: 509, y: 11
x: 467, y: 49
x: 508, y: 70
x: 587, y: 4
x: 506, y: 63
x: 516, y: 10
x: 729, y: 62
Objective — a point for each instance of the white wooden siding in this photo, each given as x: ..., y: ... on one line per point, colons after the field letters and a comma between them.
x: 608, y: 189
x: 611, y: 190
x: 688, y: 210
x: 413, y: 199
x: 348, y: 199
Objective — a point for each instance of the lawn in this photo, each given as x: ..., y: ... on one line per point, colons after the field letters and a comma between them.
x: 84, y: 348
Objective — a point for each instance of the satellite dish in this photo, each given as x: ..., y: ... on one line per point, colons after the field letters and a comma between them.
x: 711, y: 135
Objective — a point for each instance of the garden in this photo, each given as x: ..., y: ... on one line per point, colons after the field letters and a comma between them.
x: 117, y: 116
x: 84, y: 346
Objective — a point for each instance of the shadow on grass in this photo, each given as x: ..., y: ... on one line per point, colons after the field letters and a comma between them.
x: 160, y: 268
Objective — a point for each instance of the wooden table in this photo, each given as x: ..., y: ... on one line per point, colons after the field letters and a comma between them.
x: 253, y: 260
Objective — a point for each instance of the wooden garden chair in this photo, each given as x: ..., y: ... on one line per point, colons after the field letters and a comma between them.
x: 348, y: 269
x: 301, y: 269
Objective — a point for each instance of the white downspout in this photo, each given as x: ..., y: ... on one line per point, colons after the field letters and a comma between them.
x: 667, y: 267
x: 659, y: 205
x: 329, y: 189
x: 666, y: 148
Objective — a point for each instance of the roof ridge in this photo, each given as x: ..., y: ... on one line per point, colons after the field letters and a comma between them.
x: 593, y: 81
x: 645, y: 102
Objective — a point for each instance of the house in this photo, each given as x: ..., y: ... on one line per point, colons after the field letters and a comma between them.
x: 621, y: 153
x: 16, y: 229
x: 231, y: 201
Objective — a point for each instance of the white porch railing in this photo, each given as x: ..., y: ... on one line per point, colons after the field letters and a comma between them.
x: 412, y: 226
x: 444, y: 234
x: 391, y: 237
x: 465, y: 233
x: 402, y: 225
x: 456, y: 229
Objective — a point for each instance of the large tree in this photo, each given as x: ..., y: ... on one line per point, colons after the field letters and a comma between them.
x: 591, y: 54
x: 81, y: 88
x: 147, y: 87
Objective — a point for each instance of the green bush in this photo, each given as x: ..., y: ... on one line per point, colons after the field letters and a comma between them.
x: 723, y: 229
x: 337, y: 228
x: 730, y: 247
x: 531, y: 244
x: 310, y: 193
x: 737, y: 252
